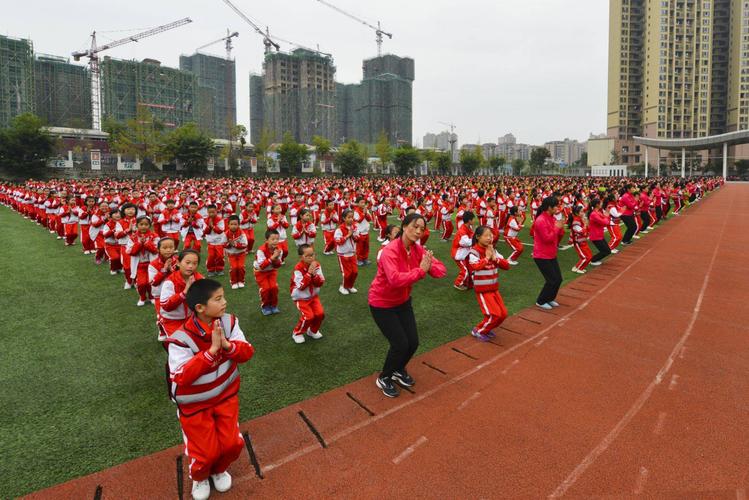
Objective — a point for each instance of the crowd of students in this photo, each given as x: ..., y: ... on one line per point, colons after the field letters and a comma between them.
x: 152, y: 234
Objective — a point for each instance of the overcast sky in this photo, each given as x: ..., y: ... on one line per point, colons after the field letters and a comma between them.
x: 536, y: 68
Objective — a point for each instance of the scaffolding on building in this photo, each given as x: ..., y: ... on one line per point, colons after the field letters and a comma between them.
x: 62, y: 92
x: 16, y: 78
x: 216, y: 77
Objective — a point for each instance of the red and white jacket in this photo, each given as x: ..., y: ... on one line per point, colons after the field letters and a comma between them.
x: 304, y: 233
x: 579, y: 232
x: 247, y: 219
x: 142, y: 249
x: 263, y: 262
x: 512, y: 227
x: 171, y: 221
x: 362, y: 218
x: 236, y: 242
x: 199, y: 380
x: 329, y: 220
x: 215, y: 234
x: 485, y: 271
x: 345, y: 240
x: 68, y: 214
x: 158, y: 270
x: 462, y: 242
x: 194, y: 224
x: 279, y: 223
x: 305, y: 285
x: 173, y: 306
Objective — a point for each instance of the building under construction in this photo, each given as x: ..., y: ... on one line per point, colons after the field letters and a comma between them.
x: 217, y: 89
x: 62, y: 93
x: 298, y: 96
x: 130, y: 87
x: 16, y: 78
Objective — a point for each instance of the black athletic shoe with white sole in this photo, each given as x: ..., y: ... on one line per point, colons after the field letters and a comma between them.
x: 403, y: 379
x: 387, y: 386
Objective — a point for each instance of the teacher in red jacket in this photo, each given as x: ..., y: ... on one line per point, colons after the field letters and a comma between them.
x: 402, y: 263
x: 547, y: 233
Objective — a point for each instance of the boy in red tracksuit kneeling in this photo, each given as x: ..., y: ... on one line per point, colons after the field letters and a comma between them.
x: 306, y: 280
x: 204, y: 354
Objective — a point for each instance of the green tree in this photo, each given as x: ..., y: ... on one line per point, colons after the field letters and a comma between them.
x: 351, y: 158
x: 469, y: 161
x: 291, y: 154
x: 263, y: 145
x: 429, y: 156
x: 444, y: 162
x: 25, y: 147
x: 406, y: 158
x: 495, y: 163
x: 614, y: 159
x: 538, y: 158
x: 742, y: 167
x: 322, y: 147
x: 190, y: 146
x: 383, y: 149
x: 583, y: 159
x: 517, y: 166
x: 238, y: 134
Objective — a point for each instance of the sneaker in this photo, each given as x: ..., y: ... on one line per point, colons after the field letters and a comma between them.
x: 240, y: 285
x: 161, y: 337
x: 201, y: 490
x: 112, y: 272
x: 210, y: 274
x: 403, y: 379
x: 462, y: 288
x: 575, y: 269
x: 315, y: 335
x: 221, y: 481
x: 127, y: 286
x: 267, y: 311
x: 614, y: 250
x: 626, y: 243
x: 636, y: 237
x: 645, y: 232
x: 553, y: 303
x: 513, y: 262
x: 299, y: 339
x: 387, y: 387
x: 59, y: 237
x: 359, y: 263
x: 480, y: 336
x: 234, y: 286
x: 153, y: 302
x: 579, y: 271
x: 491, y: 335
x: 98, y: 262
x: 342, y: 290
x: 275, y: 310
x: 545, y: 307
x: 220, y: 273
x: 352, y: 290
x: 597, y: 263
x: 141, y: 303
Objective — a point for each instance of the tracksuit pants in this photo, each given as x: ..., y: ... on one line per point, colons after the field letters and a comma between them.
x: 267, y: 282
x: 236, y: 266
x: 494, y: 310
x: 215, y: 262
x: 349, y: 270
x: 583, y: 251
x: 311, y: 315
x: 517, y: 248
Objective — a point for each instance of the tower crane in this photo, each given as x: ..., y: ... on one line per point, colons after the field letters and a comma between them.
x: 267, y: 40
x: 226, y: 40
x: 93, y: 59
x: 378, y: 29
x: 453, y: 139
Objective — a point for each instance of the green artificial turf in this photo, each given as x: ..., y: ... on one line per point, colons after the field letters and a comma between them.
x: 82, y: 374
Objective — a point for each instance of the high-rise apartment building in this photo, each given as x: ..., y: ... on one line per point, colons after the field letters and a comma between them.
x: 675, y: 70
x: 62, y: 92
x: 16, y: 78
x: 217, y: 82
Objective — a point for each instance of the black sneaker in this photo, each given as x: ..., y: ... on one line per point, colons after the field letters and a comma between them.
x: 387, y: 386
x: 403, y: 379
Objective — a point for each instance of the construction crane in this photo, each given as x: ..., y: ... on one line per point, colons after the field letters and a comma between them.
x: 226, y: 40
x: 378, y: 29
x: 452, y: 140
x: 267, y: 40
x: 93, y: 59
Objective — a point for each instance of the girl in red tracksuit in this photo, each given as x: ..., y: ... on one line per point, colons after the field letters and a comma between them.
x: 236, y: 250
x: 111, y: 243
x: 599, y: 219
x: 159, y: 270
x: 485, y: 262
x: 141, y: 248
x: 248, y: 219
x: 98, y: 219
x: 84, y: 218
x: 462, y: 243
x: 329, y: 220
x: 304, y: 231
x: 278, y: 222
x: 174, y: 310
x: 306, y: 280
x: 345, y: 238
x: 268, y: 258
x: 126, y: 228
x: 579, y: 238
x: 615, y: 213
x: 69, y: 220
x: 511, y: 230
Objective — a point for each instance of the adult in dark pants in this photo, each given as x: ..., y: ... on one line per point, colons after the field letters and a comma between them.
x: 644, y: 202
x: 628, y: 202
x: 547, y: 233
x: 401, y: 264
x: 598, y: 220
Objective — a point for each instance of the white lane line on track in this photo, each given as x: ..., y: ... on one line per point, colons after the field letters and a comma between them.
x: 409, y: 450
x: 660, y: 423
x: 642, y: 478
x: 504, y: 372
x: 640, y: 402
x: 544, y: 339
x: 465, y: 403
x: 674, y: 381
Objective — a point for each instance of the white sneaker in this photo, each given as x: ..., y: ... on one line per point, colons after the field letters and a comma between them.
x: 553, y: 303
x: 597, y: 263
x: 140, y: 303
x: 240, y: 285
x: 575, y: 269
x: 513, y: 262
x: 299, y: 339
x: 644, y: 232
x: 201, y: 490
x: 127, y: 286
x: 352, y: 290
x: 342, y: 290
x: 59, y: 237
x: 112, y: 272
x: 222, y: 482
x: 315, y: 336
x: 636, y: 237
x: 234, y: 286
x: 580, y: 271
x: 545, y: 307
x: 614, y: 250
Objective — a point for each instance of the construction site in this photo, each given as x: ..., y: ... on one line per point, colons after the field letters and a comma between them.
x: 16, y: 78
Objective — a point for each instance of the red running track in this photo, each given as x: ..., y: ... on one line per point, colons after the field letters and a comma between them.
x: 636, y: 385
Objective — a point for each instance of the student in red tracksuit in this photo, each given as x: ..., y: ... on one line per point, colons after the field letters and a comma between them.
x: 306, y: 280
x: 446, y: 217
x: 126, y: 227
x: 462, y: 243
x: 329, y: 220
x: 170, y: 221
x: 158, y: 270
x: 304, y: 231
x: 362, y: 219
x: 69, y: 220
x: 384, y: 209
x: 614, y: 230
x: 278, y: 222
x: 485, y: 262
x: 192, y: 228
x: 511, y: 230
x: 599, y: 219
x: 204, y: 354
x: 579, y: 238
x: 215, y: 236
x: 247, y: 221
x: 345, y: 238
x: 84, y: 214
x: 98, y: 219
x: 174, y: 289
x: 236, y: 250
x: 111, y: 243
x: 142, y: 250
x: 268, y: 258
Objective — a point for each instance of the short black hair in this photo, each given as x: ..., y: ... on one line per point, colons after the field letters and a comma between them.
x: 233, y: 217
x: 468, y: 216
x: 162, y: 240
x: 208, y: 207
x: 200, y: 292
x: 302, y: 248
x: 184, y: 253
x: 269, y: 233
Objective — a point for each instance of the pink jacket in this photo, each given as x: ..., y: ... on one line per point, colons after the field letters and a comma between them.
x: 546, y: 237
x: 629, y: 204
x: 598, y: 222
x: 397, y: 271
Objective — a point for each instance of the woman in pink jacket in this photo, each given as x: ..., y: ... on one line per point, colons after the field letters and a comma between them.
x: 402, y: 263
x: 547, y: 233
x: 598, y: 218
